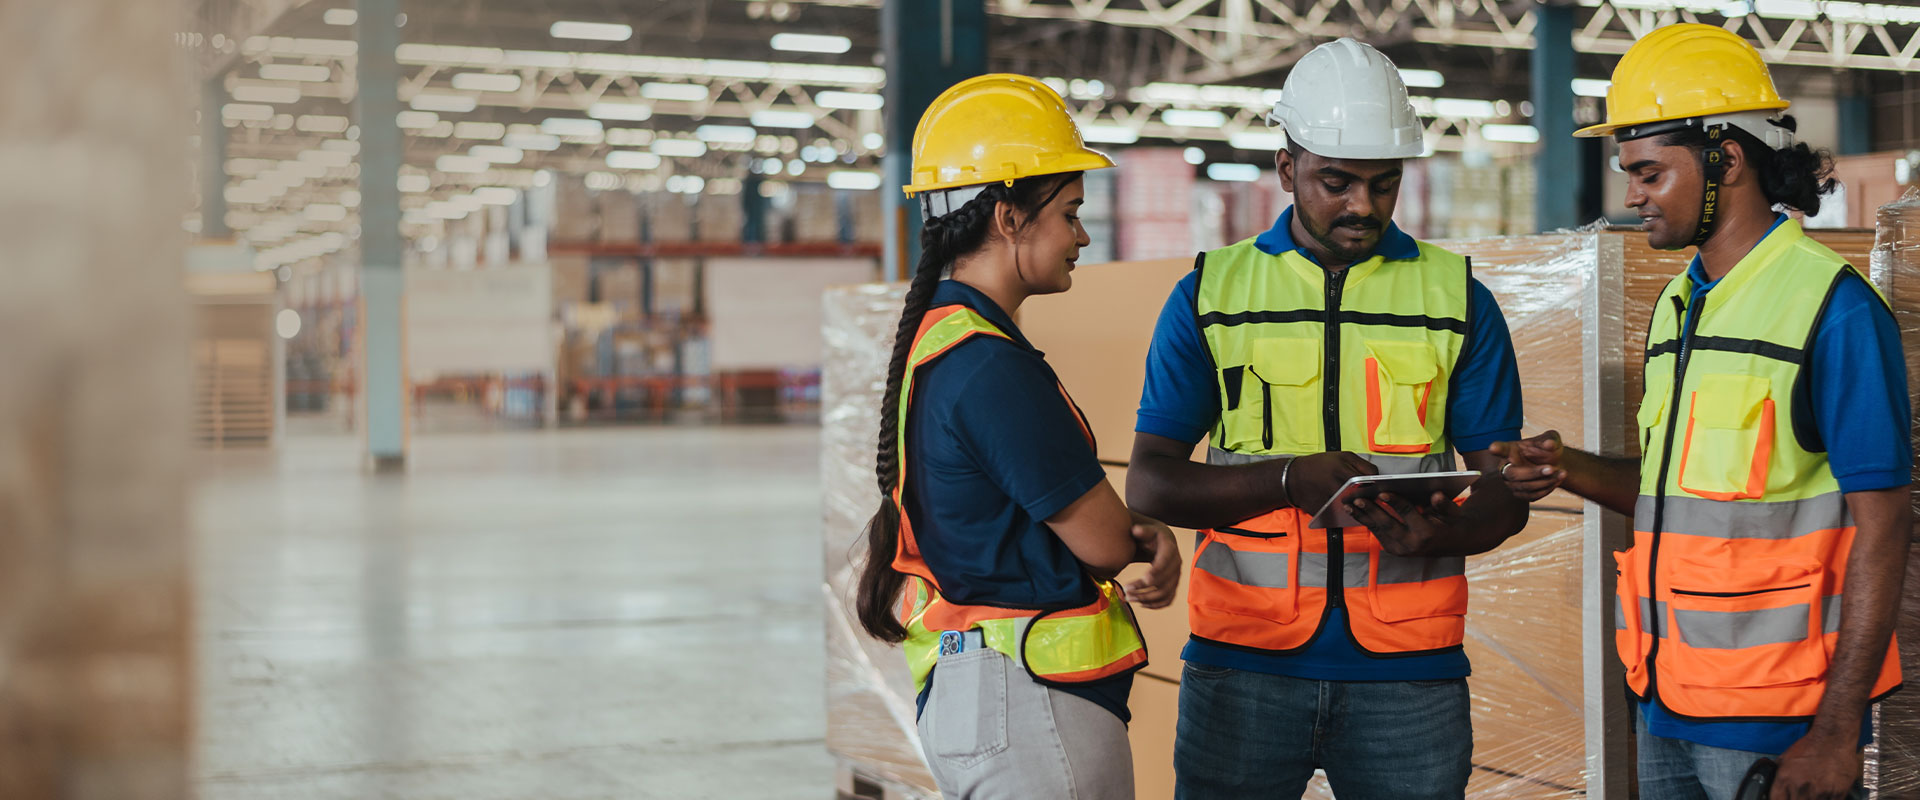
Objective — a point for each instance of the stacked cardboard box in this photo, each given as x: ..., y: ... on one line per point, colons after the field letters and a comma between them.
x: 1155, y: 185
x: 619, y: 286
x: 619, y: 217
x: 816, y: 214
x: 721, y: 218
x: 571, y: 283
x: 575, y: 218
x: 669, y: 217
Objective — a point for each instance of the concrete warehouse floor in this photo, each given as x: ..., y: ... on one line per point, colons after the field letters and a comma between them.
x: 608, y: 613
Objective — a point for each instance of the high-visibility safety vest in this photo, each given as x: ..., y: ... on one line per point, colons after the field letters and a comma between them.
x: 1060, y: 645
x: 1729, y: 600
x: 1309, y: 362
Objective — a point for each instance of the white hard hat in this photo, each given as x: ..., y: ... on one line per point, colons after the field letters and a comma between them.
x: 1346, y: 100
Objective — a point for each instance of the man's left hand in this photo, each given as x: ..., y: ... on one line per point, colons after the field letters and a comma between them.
x: 1403, y: 528
x: 1818, y: 767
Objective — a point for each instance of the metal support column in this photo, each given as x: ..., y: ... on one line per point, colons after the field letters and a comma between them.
x: 1856, y: 123
x: 382, y: 281
x: 213, y: 160
x: 929, y: 45
x: 753, y: 209
x: 1603, y: 368
x: 1558, y: 178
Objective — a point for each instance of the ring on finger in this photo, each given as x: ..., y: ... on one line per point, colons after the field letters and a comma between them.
x: 1503, y: 468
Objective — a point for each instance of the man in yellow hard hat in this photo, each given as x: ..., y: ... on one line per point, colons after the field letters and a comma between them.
x: 1332, y: 345
x: 1770, y: 503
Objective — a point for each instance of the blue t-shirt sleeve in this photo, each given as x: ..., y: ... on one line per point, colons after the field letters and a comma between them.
x: 1483, y: 399
x: 1010, y: 417
x: 1179, y: 399
x: 1858, y: 378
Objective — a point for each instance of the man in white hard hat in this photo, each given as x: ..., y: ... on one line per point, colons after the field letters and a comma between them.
x: 1331, y: 346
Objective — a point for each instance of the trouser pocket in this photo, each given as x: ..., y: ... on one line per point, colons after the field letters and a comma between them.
x: 969, y: 705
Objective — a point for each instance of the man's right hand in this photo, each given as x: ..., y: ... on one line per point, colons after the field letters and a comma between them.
x: 1312, y: 480
x: 1534, y: 466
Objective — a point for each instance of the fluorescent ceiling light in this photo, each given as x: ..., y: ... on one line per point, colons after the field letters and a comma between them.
x: 1590, y: 87
x: 772, y: 118
x: 417, y: 120
x: 323, y: 123
x: 728, y: 134
x: 873, y: 141
x: 308, y: 73
x: 572, y: 126
x: 341, y: 146
x: 465, y: 202
x: 486, y: 82
x: 496, y: 195
x: 340, y: 16
x: 858, y: 101
x: 683, y: 92
x: 1110, y: 134
x: 478, y: 130
x: 811, y: 43
x: 264, y: 93
x: 496, y: 154
x: 1519, y: 134
x: 327, y: 158
x: 445, y: 210
x: 452, y: 163
x: 1190, y: 118
x: 543, y: 142
x: 415, y: 183
x: 679, y: 148
x: 1787, y: 9
x: 856, y: 180
x: 632, y: 159
x: 247, y: 112
x: 592, y: 31
x: 1457, y: 108
x: 1268, y: 141
x: 1239, y: 173
x: 350, y: 198
x: 325, y: 212
x: 629, y: 112
x: 1422, y: 78
x: 443, y: 102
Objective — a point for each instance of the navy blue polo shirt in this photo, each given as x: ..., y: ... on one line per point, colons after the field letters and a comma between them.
x: 993, y: 450
x: 1858, y: 374
x: 1180, y: 401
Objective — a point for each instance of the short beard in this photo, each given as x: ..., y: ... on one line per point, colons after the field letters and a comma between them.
x: 1325, y: 237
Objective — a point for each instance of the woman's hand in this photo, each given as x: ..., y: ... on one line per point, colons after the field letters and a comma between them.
x: 1155, y: 546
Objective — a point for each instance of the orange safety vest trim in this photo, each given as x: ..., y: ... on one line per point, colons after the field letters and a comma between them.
x: 1306, y: 364
x: 1729, y: 601
x: 1056, y: 645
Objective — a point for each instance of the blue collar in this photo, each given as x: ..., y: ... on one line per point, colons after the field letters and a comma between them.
x: 1697, y: 273
x: 1395, y: 244
x: 950, y: 292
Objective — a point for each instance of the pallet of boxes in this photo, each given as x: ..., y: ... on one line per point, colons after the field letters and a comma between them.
x: 1539, y: 628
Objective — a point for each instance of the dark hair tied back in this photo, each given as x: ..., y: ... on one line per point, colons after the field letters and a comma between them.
x: 1795, y: 176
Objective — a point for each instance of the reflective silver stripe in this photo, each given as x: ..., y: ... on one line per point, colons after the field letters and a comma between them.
x: 1785, y: 519
x: 1267, y: 570
x: 1830, y: 613
x: 1403, y: 569
x: 1227, y: 458
x: 1410, y: 465
x: 1651, y: 614
x: 1734, y: 630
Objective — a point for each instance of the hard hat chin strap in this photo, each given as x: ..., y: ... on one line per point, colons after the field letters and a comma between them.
x: 1713, y: 167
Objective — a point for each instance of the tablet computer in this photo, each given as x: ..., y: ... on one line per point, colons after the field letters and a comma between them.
x: 1414, y: 488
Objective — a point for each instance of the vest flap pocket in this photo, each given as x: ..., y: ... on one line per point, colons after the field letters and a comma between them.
x: 1279, y: 409
x: 1653, y: 402
x: 1757, y: 625
x: 1400, y: 378
x: 1255, y: 576
x: 1729, y: 438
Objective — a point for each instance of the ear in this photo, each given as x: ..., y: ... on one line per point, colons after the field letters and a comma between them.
x: 1006, y: 221
x: 1738, y: 168
x: 1283, y: 164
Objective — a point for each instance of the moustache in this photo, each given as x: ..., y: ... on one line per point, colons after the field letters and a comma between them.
x: 1363, y: 223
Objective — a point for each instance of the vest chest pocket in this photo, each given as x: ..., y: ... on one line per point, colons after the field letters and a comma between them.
x: 1729, y: 438
x: 1400, y: 378
x: 1284, y: 394
x: 1653, y: 404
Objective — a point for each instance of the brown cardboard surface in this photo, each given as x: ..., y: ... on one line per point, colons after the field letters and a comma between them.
x: 1096, y: 337
x: 1155, y: 704
x: 1165, y: 628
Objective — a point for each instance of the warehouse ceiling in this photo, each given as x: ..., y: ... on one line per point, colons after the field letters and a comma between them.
x: 693, y: 95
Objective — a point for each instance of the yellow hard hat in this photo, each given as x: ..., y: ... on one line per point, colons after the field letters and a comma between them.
x: 1685, y: 71
x: 996, y: 128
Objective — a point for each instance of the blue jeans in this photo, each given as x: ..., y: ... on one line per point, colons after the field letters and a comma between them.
x: 1251, y: 735
x: 1676, y: 769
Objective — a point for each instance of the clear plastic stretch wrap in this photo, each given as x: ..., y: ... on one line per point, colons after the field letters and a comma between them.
x: 1895, y: 267
x: 870, y: 718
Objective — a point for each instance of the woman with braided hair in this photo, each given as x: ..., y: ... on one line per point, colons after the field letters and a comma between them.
x: 992, y: 557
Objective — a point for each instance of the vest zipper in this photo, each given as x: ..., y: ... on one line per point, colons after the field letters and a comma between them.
x: 1689, y: 323
x: 1330, y: 423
